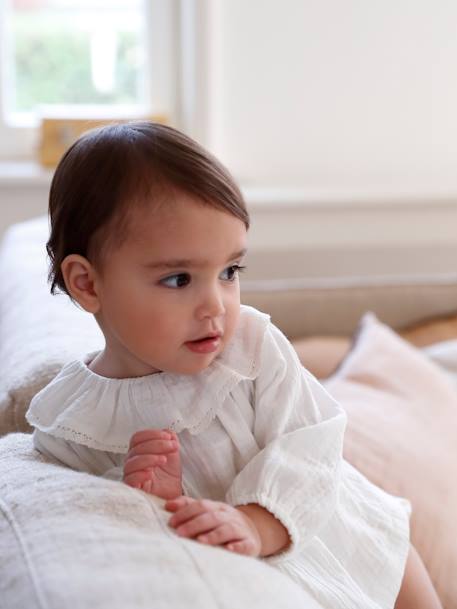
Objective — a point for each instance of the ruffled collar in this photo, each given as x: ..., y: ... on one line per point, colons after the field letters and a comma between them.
x: 103, y: 413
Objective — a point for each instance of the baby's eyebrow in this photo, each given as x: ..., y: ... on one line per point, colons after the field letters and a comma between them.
x: 188, y: 263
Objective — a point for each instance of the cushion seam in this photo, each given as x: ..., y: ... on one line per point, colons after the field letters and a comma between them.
x: 21, y: 542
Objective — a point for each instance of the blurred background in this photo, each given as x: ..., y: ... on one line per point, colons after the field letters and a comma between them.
x: 338, y: 119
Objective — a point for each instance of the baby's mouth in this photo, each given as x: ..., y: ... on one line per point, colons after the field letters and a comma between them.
x: 205, y: 344
x: 211, y: 336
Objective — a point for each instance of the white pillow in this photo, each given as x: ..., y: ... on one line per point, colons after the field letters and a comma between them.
x: 444, y: 354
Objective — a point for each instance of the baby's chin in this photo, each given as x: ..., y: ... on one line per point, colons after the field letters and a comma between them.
x: 190, y: 365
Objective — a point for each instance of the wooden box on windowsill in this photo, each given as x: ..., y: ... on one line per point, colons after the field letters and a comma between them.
x: 57, y: 134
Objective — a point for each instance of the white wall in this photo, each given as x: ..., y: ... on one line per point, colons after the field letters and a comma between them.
x: 331, y: 93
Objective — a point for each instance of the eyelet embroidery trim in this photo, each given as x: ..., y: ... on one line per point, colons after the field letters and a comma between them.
x: 73, y: 435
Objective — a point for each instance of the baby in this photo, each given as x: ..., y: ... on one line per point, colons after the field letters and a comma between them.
x: 195, y: 398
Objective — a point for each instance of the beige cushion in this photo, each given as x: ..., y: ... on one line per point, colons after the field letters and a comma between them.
x: 321, y: 355
x: 69, y: 540
x: 333, y: 306
x: 402, y: 434
x: 430, y: 331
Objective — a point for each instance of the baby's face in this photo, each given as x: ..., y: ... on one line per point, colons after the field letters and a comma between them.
x: 169, y: 295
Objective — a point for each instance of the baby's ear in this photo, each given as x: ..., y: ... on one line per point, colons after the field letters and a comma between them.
x: 79, y: 276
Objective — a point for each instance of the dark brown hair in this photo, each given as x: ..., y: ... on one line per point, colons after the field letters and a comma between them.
x: 110, y: 169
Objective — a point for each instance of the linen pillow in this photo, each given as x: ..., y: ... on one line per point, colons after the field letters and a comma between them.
x: 402, y: 434
x: 69, y: 540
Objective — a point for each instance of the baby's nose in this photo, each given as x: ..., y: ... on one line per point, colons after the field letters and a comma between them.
x: 211, y: 304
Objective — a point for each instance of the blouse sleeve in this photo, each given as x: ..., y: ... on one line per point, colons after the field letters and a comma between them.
x: 78, y: 457
x: 299, y: 429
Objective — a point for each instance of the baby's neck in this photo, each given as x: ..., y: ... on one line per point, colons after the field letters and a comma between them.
x: 104, y: 364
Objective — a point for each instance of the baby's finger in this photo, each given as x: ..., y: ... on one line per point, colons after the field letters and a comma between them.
x: 137, y: 479
x: 147, y: 486
x: 203, y: 523
x: 219, y: 535
x: 191, y: 510
x: 149, y: 434
x: 243, y: 546
x: 154, y: 447
x: 172, y: 505
x: 134, y: 464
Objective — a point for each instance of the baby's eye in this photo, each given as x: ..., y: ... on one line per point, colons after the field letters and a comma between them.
x: 176, y: 281
x: 231, y: 272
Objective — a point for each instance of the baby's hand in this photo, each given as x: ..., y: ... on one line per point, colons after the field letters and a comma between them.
x: 153, y: 463
x: 214, y: 523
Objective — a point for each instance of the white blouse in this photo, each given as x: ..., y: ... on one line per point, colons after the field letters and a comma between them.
x: 254, y: 427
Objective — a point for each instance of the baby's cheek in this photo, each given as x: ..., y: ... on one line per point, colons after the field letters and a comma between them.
x: 231, y: 323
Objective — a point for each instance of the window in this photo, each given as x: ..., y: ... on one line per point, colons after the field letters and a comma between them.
x: 110, y: 58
